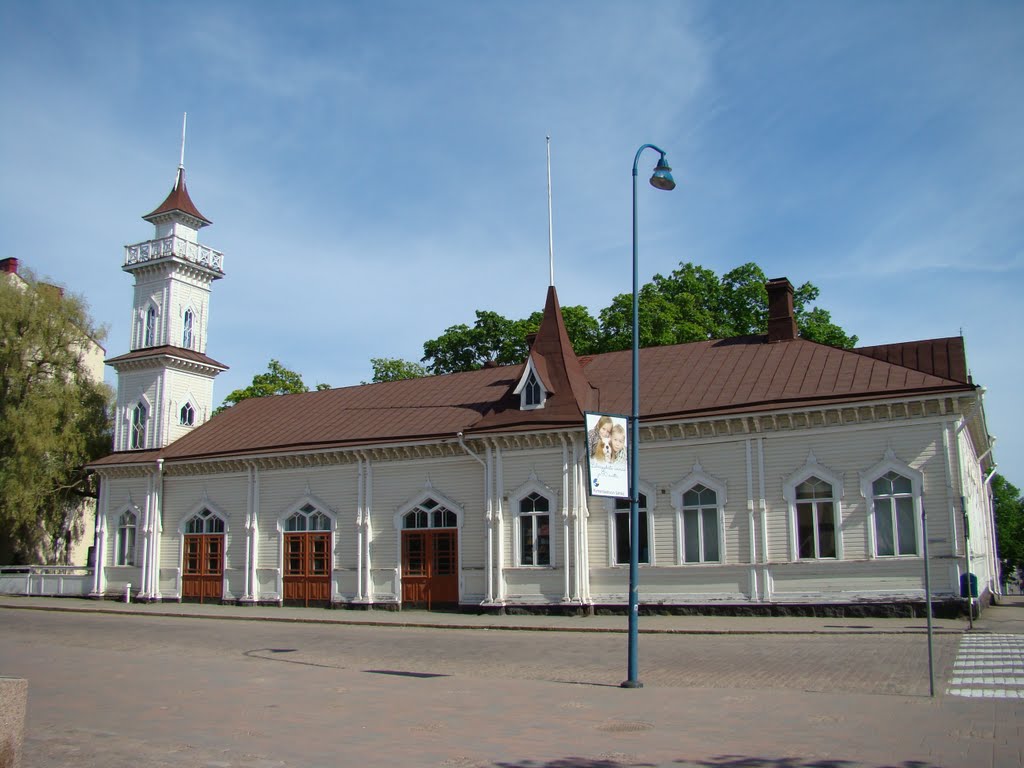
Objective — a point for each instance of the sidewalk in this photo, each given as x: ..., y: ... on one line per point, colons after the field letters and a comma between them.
x: 1007, y: 617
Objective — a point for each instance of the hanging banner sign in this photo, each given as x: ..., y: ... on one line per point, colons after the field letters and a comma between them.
x: 607, y: 455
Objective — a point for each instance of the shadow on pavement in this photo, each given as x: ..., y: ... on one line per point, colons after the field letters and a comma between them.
x: 725, y: 761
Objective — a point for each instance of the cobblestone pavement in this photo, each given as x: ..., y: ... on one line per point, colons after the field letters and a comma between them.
x: 109, y: 690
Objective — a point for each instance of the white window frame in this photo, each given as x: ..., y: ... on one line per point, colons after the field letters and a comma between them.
x: 533, y: 485
x: 890, y: 463
x: 648, y: 492
x: 124, y: 555
x: 204, y: 506
x: 530, y: 381
x: 697, y: 477
x: 181, y: 414
x: 138, y: 429
x: 150, y: 325
x: 814, y: 469
x: 188, y: 329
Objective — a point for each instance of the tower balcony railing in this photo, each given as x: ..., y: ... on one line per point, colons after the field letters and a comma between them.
x: 150, y: 250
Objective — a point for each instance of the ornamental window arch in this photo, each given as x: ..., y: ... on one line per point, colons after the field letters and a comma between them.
x: 307, y: 515
x: 814, y: 496
x: 205, y: 517
x: 618, y: 527
x: 699, y: 500
x: 429, y: 509
x: 893, y: 492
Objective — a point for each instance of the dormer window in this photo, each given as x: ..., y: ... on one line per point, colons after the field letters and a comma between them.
x: 531, y: 391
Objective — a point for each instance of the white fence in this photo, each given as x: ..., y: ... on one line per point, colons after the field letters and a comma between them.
x: 46, y: 580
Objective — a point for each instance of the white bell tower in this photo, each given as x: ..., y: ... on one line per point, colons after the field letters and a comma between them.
x: 165, y: 383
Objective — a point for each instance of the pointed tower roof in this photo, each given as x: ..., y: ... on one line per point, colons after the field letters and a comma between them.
x: 569, y: 392
x: 178, y: 200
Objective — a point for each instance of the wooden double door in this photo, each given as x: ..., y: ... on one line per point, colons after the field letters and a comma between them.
x: 307, y: 568
x: 202, y: 577
x: 430, y: 568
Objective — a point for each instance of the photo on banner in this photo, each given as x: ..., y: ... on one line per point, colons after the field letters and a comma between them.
x: 607, y: 455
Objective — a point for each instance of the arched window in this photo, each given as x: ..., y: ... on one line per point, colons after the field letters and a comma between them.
x: 700, y: 525
x: 429, y: 514
x: 892, y: 500
x: 205, y: 522
x: 149, y: 334
x: 530, y: 389
x: 188, y: 415
x: 621, y: 540
x: 815, y: 519
x: 307, y: 518
x: 125, y: 543
x: 534, y: 530
x: 140, y: 416
x: 186, y: 334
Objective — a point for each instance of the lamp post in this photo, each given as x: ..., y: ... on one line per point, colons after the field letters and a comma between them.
x: 661, y: 179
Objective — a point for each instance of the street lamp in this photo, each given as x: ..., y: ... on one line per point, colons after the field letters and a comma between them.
x: 661, y: 179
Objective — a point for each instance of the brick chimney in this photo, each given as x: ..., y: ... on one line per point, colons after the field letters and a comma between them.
x: 781, y: 319
x: 9, y: 266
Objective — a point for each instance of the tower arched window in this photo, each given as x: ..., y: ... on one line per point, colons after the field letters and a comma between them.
x: 188, y: 415
x: 187, y: 336
x: 140, y: 416
x: 149, y: 335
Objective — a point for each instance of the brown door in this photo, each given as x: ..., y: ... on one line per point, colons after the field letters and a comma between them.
x: 430, y: 568
x: 202, y: 575
x: 307, y: 568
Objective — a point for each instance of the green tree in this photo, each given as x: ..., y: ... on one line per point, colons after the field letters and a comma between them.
x: 277, y: 380
x: 690, y: 304
x: 54, y: 419
x: 495, y: 337
x: 395, y: 369
x: 1009, y: 511
x: 694, y: 304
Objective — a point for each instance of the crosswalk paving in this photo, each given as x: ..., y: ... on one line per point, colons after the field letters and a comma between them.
x: 989, y: 666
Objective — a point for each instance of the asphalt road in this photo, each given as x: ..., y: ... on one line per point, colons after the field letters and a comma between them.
x: 131, y: 690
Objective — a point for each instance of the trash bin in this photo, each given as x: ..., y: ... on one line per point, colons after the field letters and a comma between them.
x: 968, y: 585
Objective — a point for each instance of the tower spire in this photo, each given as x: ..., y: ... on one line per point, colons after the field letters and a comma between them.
x: 551, y: 236
x: 184, y: 119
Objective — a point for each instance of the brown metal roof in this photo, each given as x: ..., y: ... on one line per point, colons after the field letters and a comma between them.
x: 745, y: 374
x: 943, y: 357
x: 168, y: 350
x: 178, y: 200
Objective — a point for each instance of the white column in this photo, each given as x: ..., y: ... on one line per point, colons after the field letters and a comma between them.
x: 368, y: 531
x: 98, y: 574
x: 566, y: 560
x: 359, y: 529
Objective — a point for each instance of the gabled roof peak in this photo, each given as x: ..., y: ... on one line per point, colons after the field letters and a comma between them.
x: 178, y: 200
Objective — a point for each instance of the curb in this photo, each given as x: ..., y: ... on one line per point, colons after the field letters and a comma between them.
x: 497, y: 627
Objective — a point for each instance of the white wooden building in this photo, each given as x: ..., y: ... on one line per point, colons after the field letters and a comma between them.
x: 776, y: 474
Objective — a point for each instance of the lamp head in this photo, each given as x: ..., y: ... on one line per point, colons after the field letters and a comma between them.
x: 662, y: 178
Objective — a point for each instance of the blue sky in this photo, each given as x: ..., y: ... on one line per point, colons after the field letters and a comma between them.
x: 375, y: 171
